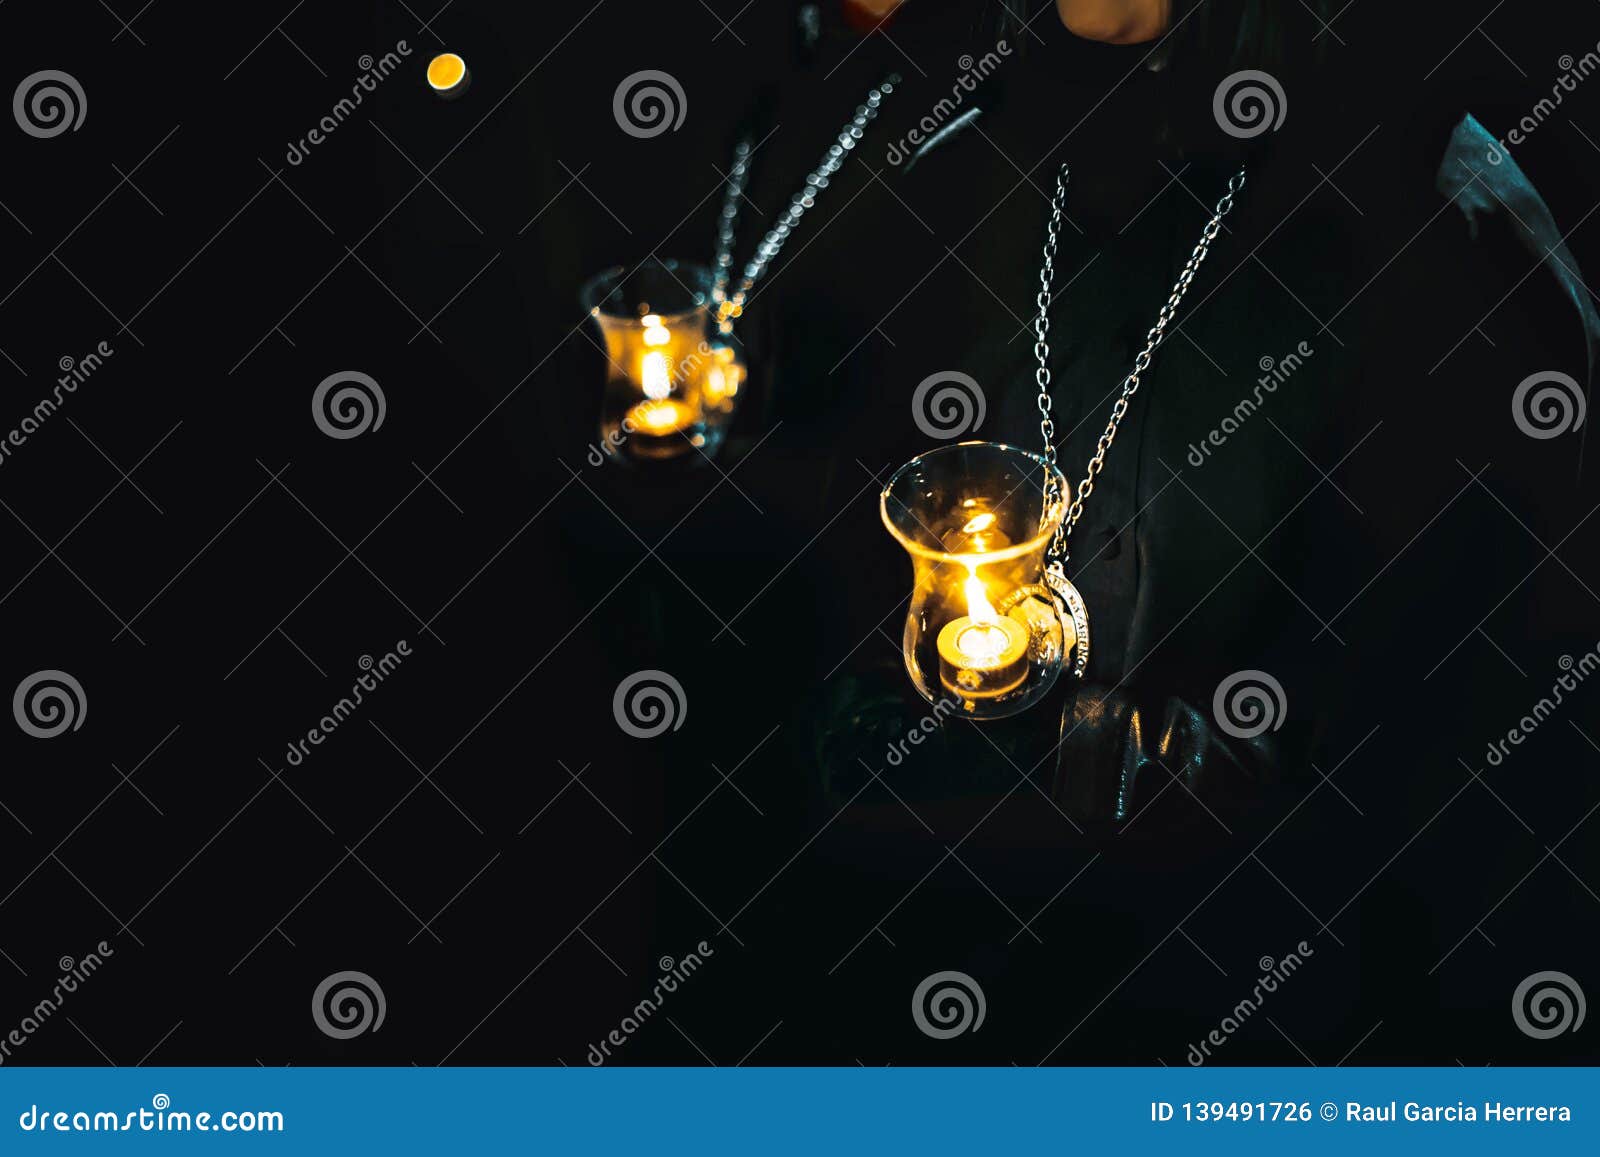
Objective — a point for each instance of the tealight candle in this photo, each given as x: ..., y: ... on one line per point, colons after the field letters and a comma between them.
x: 662, y: 428
x: 982, y: 654
x: 660, y: 416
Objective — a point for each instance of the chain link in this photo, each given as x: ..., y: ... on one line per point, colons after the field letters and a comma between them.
x: 1041, y: 351
x: 728, y: 221
x: 730, y: 306
x: 1130, y: 385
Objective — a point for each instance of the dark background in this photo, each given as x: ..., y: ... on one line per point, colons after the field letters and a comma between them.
x: 482, y: 839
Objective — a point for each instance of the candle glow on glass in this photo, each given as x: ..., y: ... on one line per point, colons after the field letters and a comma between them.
x: 655, y: 375
x: 653, y: 319
x: 978, y: 532
x: 982, y: 654
x: 723, y: 378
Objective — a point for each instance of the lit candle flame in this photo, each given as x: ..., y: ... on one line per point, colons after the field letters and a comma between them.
x: 655, y: 376
x: 655, y: 372
x: 978, y: 608
x: 983, y: 640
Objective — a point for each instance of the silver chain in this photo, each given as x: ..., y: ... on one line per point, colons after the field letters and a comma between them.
x: 1041, y: 351
x: 730, y: 306
x: 1130, y: 384
x: 729, y: 220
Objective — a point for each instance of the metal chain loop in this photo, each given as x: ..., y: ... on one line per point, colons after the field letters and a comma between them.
x: 728, y: 221
x: 731, y: 306
x: 1041, y: 351
x: 1130, y: 385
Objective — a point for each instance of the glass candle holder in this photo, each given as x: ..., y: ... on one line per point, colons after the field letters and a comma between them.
x: 982, y: 629
x: 662, y: 372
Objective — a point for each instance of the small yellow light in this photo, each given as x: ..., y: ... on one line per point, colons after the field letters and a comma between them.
x: 447, y: 74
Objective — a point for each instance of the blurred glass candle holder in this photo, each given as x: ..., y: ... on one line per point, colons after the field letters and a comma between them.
x: 670, y: 387
x: 982, y: 628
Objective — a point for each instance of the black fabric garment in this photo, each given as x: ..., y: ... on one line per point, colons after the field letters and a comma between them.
x: 1147, y: 547
x: 1105, y: 815
x: 1198, y: 560
x: 1339, y: 539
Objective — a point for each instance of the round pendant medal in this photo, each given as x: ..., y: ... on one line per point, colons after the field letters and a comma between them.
x: 1070, y: 602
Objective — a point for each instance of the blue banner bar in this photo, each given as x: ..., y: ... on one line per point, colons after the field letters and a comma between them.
x: 708, y: 1112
